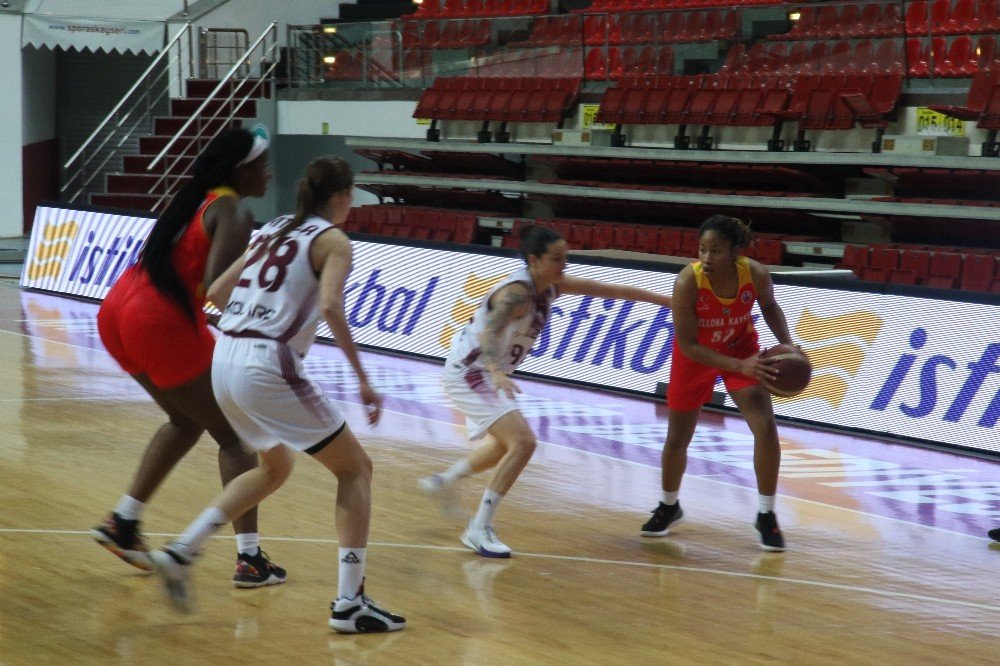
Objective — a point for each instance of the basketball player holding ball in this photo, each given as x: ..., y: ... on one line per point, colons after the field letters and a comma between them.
x: 714, y: 335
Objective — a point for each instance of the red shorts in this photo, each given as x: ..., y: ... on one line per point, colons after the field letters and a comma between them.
x: 149, y: 334
x: 691, y: 383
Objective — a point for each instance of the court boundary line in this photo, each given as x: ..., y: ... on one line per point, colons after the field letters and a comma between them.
x: 589, y: 560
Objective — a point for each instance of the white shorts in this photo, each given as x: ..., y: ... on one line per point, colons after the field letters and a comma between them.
x: 268, y: 400
x: 474, y: 393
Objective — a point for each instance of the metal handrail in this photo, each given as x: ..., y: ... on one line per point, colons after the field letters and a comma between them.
x: 218, y: 88
x: 168, y: 171
x: 204, y: 47
x: 135, y: 86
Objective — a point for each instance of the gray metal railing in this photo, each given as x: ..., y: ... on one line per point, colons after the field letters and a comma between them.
x: 218, y: 48
x: 257, y: 65
x: 132, y: 113
x: 372, y: 52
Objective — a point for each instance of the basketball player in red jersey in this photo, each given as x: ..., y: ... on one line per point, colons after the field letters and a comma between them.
x: 153, y: 323
x: 714, y: 335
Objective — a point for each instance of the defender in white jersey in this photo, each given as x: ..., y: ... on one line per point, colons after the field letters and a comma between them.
x: 486, y: 351
x: 293, y: 273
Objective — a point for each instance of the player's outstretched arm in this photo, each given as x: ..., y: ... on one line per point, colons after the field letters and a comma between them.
x: 585, y: 287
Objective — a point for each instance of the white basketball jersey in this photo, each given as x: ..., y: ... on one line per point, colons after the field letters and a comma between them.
x: 517, y: 338
x: 277, y: 294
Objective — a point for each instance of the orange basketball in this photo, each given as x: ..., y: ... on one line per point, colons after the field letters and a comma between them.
x: 794, y: 371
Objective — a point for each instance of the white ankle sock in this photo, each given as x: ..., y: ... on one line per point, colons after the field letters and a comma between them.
x: 248, y: 543
x: 670, y: 498
x: 765, y: 503
x: 487, y: 507
x: 205, y: 525
x: 129, y: 508
x: 350, y: 572
x: 459, y: 470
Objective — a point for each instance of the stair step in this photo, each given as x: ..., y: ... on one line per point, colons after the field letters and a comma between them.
x: 187, y: 106
x: 131, y: 183
x: 202, y: 88
x: 153, y: 145
x: 140, y: 202
x: 137, y: 164
x: 170, y: 126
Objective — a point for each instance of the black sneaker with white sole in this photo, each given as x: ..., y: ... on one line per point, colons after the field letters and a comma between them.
x: 664, y: 515
x: 360, y: 615
x: 771, y: 537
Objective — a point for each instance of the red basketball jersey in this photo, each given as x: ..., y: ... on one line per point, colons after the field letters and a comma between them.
x: 190, y: 253
x: 725, y: 324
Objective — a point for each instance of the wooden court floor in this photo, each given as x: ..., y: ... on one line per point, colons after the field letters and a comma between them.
x: 582, y: 588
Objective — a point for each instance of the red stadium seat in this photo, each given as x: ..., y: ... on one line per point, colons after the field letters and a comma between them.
x: 916, y: 17
x: 874, y: 274
x: 917, y: 262
x: 884, y: 257
x: 977, y: 272
x: 855, y: 256
x: 945, y: 265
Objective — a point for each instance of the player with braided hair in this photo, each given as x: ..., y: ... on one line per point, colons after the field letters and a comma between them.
x: 154, y: 325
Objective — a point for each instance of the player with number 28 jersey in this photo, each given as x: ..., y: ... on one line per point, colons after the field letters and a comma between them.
x: 275, y: 296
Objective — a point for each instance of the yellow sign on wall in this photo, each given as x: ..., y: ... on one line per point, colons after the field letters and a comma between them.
x: 933, y: 123
x: 588, y: 111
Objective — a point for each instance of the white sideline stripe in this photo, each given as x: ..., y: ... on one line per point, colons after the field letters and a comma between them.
x: 590, y: 560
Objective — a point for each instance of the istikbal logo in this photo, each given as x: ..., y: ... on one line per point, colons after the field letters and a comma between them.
x: 53, y: 250
x: 473, y: 291
x: 836, y: 347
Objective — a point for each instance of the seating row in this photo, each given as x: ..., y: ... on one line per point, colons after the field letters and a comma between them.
x: 413, y: 222
x: 446, y: 34
x: 979, y: 271
x: 644, y: 28
x: 948, y: 185
x: 739, y: 177
x: 965, y: 17
x: 816, y: 102
x: 648, y: 238
x: 602, y: 64
x: 429, y: 9
x: 504, y: 100
x: 919, y: 57
x: 615, y: 6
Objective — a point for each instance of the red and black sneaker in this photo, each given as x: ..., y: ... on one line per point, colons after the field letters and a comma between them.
x: 771, y: 537
x: 123, y: 538
x: 257, y: 571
